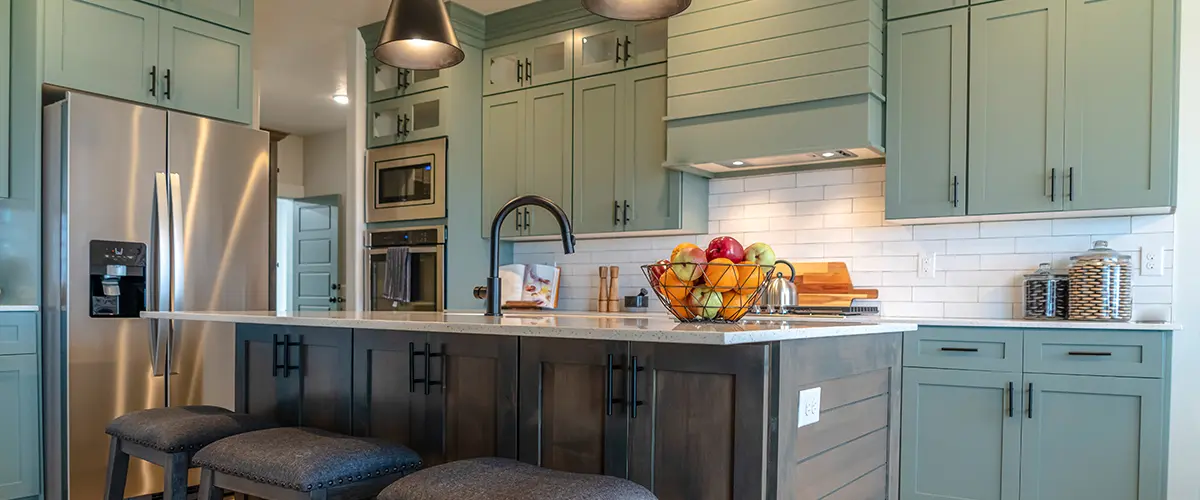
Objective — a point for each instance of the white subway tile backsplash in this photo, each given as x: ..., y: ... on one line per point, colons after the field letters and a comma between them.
x: 838, y: 215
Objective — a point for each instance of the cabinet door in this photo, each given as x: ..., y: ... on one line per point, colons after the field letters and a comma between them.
x: 1015, y: 146
x: 720, y: 392
x: 504, y: 68
x: 206, y: 68
x: 574, y: 415
x: 20, y: 458
x: 1099, y: 438
x: 905, y: 8
x: 419, y: 80
x: 599, y: 48
x: 472, y: 401
x: 322, y: 384
x: 236, y: 14
x: 599, y: 152
x: 960, y: 435
x: 109, y: 47
x: 18, y: 330
x: 388, y: 401
x: 927, y: 116
x: 408, y: 119
x: 384, y: 82
x: 503, y: 157
x: 651, y: 193
x: 1119, y: 146
x: 5, y: 71
x: 647, y: 43
x: 548, y: 153
x: 549, y: 59
x: 258, y: 373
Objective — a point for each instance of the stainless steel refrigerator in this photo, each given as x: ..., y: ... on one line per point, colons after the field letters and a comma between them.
x: 185, y: 198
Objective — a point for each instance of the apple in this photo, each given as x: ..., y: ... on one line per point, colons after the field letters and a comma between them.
x: 706, y: 303
x: 725, y: 247
x: 657, y: 269
x: 688, y: 264
x: 761, y: 254
x: 681, y: 247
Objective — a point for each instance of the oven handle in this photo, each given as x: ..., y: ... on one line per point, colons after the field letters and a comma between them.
x: 412, y: 249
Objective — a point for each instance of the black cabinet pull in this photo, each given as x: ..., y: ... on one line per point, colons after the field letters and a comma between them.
x: 1010, y: 400
x: 404, y: 78
x: 520, y: 70
x: 528, y: 218
x: 399, y: 126
x: 618, y: 61
x: 608, y: 387
x: 1030, y: 406
x: 1071, y: 184
x: 960, y: 349
x: 1089, y: 353
x: 633, y: 387
x: 154, y: 81
x: 405, y: 127
x: 275, y: 366
x: 287, y: 346
x: 429, y: 355
x: 167, y: 91
x: 616, y: 212
x: 625, y: 212
x: 412, y: 368
x: 627, y: 44
x: 528, y: 71
x: 519, y: 226
x: 954, y: 197
x: 1053, y: 177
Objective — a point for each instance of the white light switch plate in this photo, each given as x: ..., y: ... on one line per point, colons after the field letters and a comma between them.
x: 810, y: 407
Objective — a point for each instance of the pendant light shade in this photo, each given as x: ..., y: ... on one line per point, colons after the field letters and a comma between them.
x: 636, y: 10
x: 417, y: 35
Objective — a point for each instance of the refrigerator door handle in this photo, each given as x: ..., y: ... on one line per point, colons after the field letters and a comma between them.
x: 174, y: 194
x: 158, y: 281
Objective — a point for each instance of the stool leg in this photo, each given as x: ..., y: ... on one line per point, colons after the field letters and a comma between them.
x: 208, y: 487
x: 118, y: 469
x: 318, y: 495
x: 175, y: 475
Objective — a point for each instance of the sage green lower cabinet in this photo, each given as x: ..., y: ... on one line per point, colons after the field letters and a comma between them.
x: 109, y: 47
x: 1099, y: 438
x: 20, y: 460
x: 206, y: 69
x: 927, y: 115
x: 959, y: 439
x: 1015, y: 144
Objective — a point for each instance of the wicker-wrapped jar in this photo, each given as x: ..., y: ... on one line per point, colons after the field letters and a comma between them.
x: 1045, y: 293
x: 1101, y: 285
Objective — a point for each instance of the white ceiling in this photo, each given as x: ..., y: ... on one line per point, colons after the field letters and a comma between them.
x: 300, y: 57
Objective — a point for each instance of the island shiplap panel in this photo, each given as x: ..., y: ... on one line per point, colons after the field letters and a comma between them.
x: 740, y: 55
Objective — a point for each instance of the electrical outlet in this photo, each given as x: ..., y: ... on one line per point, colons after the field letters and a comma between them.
x: 1152, y: 261
x: 810, y: 407
x: 926, y: 265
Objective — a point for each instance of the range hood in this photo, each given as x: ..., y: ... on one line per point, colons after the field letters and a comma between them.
x: 785, y: 91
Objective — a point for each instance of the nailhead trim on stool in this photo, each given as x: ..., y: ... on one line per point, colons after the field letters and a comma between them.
x: 505, y: 479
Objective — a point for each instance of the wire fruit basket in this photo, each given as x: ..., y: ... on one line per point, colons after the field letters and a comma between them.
x: 711, y: 292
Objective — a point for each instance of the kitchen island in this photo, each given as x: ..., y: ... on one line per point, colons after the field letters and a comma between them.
x: 692, y: 411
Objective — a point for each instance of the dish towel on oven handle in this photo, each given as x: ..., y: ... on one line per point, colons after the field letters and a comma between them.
x: 396, y: 275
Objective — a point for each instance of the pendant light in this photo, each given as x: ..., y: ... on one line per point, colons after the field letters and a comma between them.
x: 636, y: 10
x: 417, y: 35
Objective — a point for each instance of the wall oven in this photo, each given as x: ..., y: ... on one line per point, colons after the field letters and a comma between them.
x: 407, y: 182
x: 427, y: 256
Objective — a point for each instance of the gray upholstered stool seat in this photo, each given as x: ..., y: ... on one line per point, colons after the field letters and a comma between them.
x: 505, y: 479
x: 288, y: 460
x: 168, y: 437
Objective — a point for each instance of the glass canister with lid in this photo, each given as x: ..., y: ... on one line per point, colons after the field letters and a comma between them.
x: 1101, y: 285
x: 1045, y: 294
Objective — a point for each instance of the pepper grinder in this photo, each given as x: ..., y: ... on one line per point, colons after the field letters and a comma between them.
x: 602, y: 302
x: 614, y: 291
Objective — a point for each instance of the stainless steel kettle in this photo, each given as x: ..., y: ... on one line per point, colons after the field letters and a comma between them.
x: 780, y: 295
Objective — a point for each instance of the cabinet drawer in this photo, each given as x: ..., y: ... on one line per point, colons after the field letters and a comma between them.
x: 18, y: 333
x: 985, y: 349
x: 1095, y: 352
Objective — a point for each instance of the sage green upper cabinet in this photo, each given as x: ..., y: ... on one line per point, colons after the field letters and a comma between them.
x: 905, y: 8
x: 600, y: 107
x: 960, y: 438
x: 653, y: 192
x: 540, y: 61
x: 548, y: 153
x: 5, y: 71
x: 503, y: 157
x: 205, y: 68
x: 108, y: 47
x: 1015, y: 145
x: 407, y: 119
x: 1099, y: 438
x: 20, y: 460
x: 236, y: 14
x: 616, y: 45
x: 387, y: 82
x: 927, y: 115
x: 1120, y: 124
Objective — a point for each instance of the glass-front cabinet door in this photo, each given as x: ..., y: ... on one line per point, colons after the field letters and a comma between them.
x: 549, y: 59
x: 419, y: 80
x: 599, y: 48
x: 407, y: 119
x: 647, y: 43
x: 503, y: 68
x: 387, y: 82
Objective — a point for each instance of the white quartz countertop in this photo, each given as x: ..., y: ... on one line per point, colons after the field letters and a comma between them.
x: 18, y: 309
x: 633, y: 327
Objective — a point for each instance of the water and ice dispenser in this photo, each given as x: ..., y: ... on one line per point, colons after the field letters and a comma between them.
x: 118, y: 279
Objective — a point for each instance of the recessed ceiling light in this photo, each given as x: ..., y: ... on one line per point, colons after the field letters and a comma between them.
x: 829, y: 154
x: 738, y: 163
x: 341, y: 98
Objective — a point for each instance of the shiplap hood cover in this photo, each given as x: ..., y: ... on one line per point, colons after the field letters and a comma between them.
x: 754, y: 85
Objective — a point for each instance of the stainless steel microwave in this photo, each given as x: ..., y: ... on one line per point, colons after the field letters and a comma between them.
x: 407, y: 182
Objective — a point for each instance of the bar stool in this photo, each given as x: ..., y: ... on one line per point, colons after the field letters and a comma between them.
x: 168, y: 437
x: 502, y: 478
x: 293, y: 463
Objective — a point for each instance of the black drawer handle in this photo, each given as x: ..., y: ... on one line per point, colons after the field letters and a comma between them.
x: 287, y: 365
x: 608, y: 387
x: 960, y: 349
x: 1030, y: 406
x: 1088, y: 353
x: 429, y: 354
x: 412, y: 367
x: 1010, y: 400
x: 633, y: 388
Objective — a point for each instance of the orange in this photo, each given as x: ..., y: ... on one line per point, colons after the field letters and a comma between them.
x: 682, y: 310
x: 680, y: 247
x: 720, y: 275
x: 676, y: 291
x: 749, y: 277
x: 734, y: 305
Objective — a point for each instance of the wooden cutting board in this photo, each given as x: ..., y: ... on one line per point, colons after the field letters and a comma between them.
x: 825, y: 284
